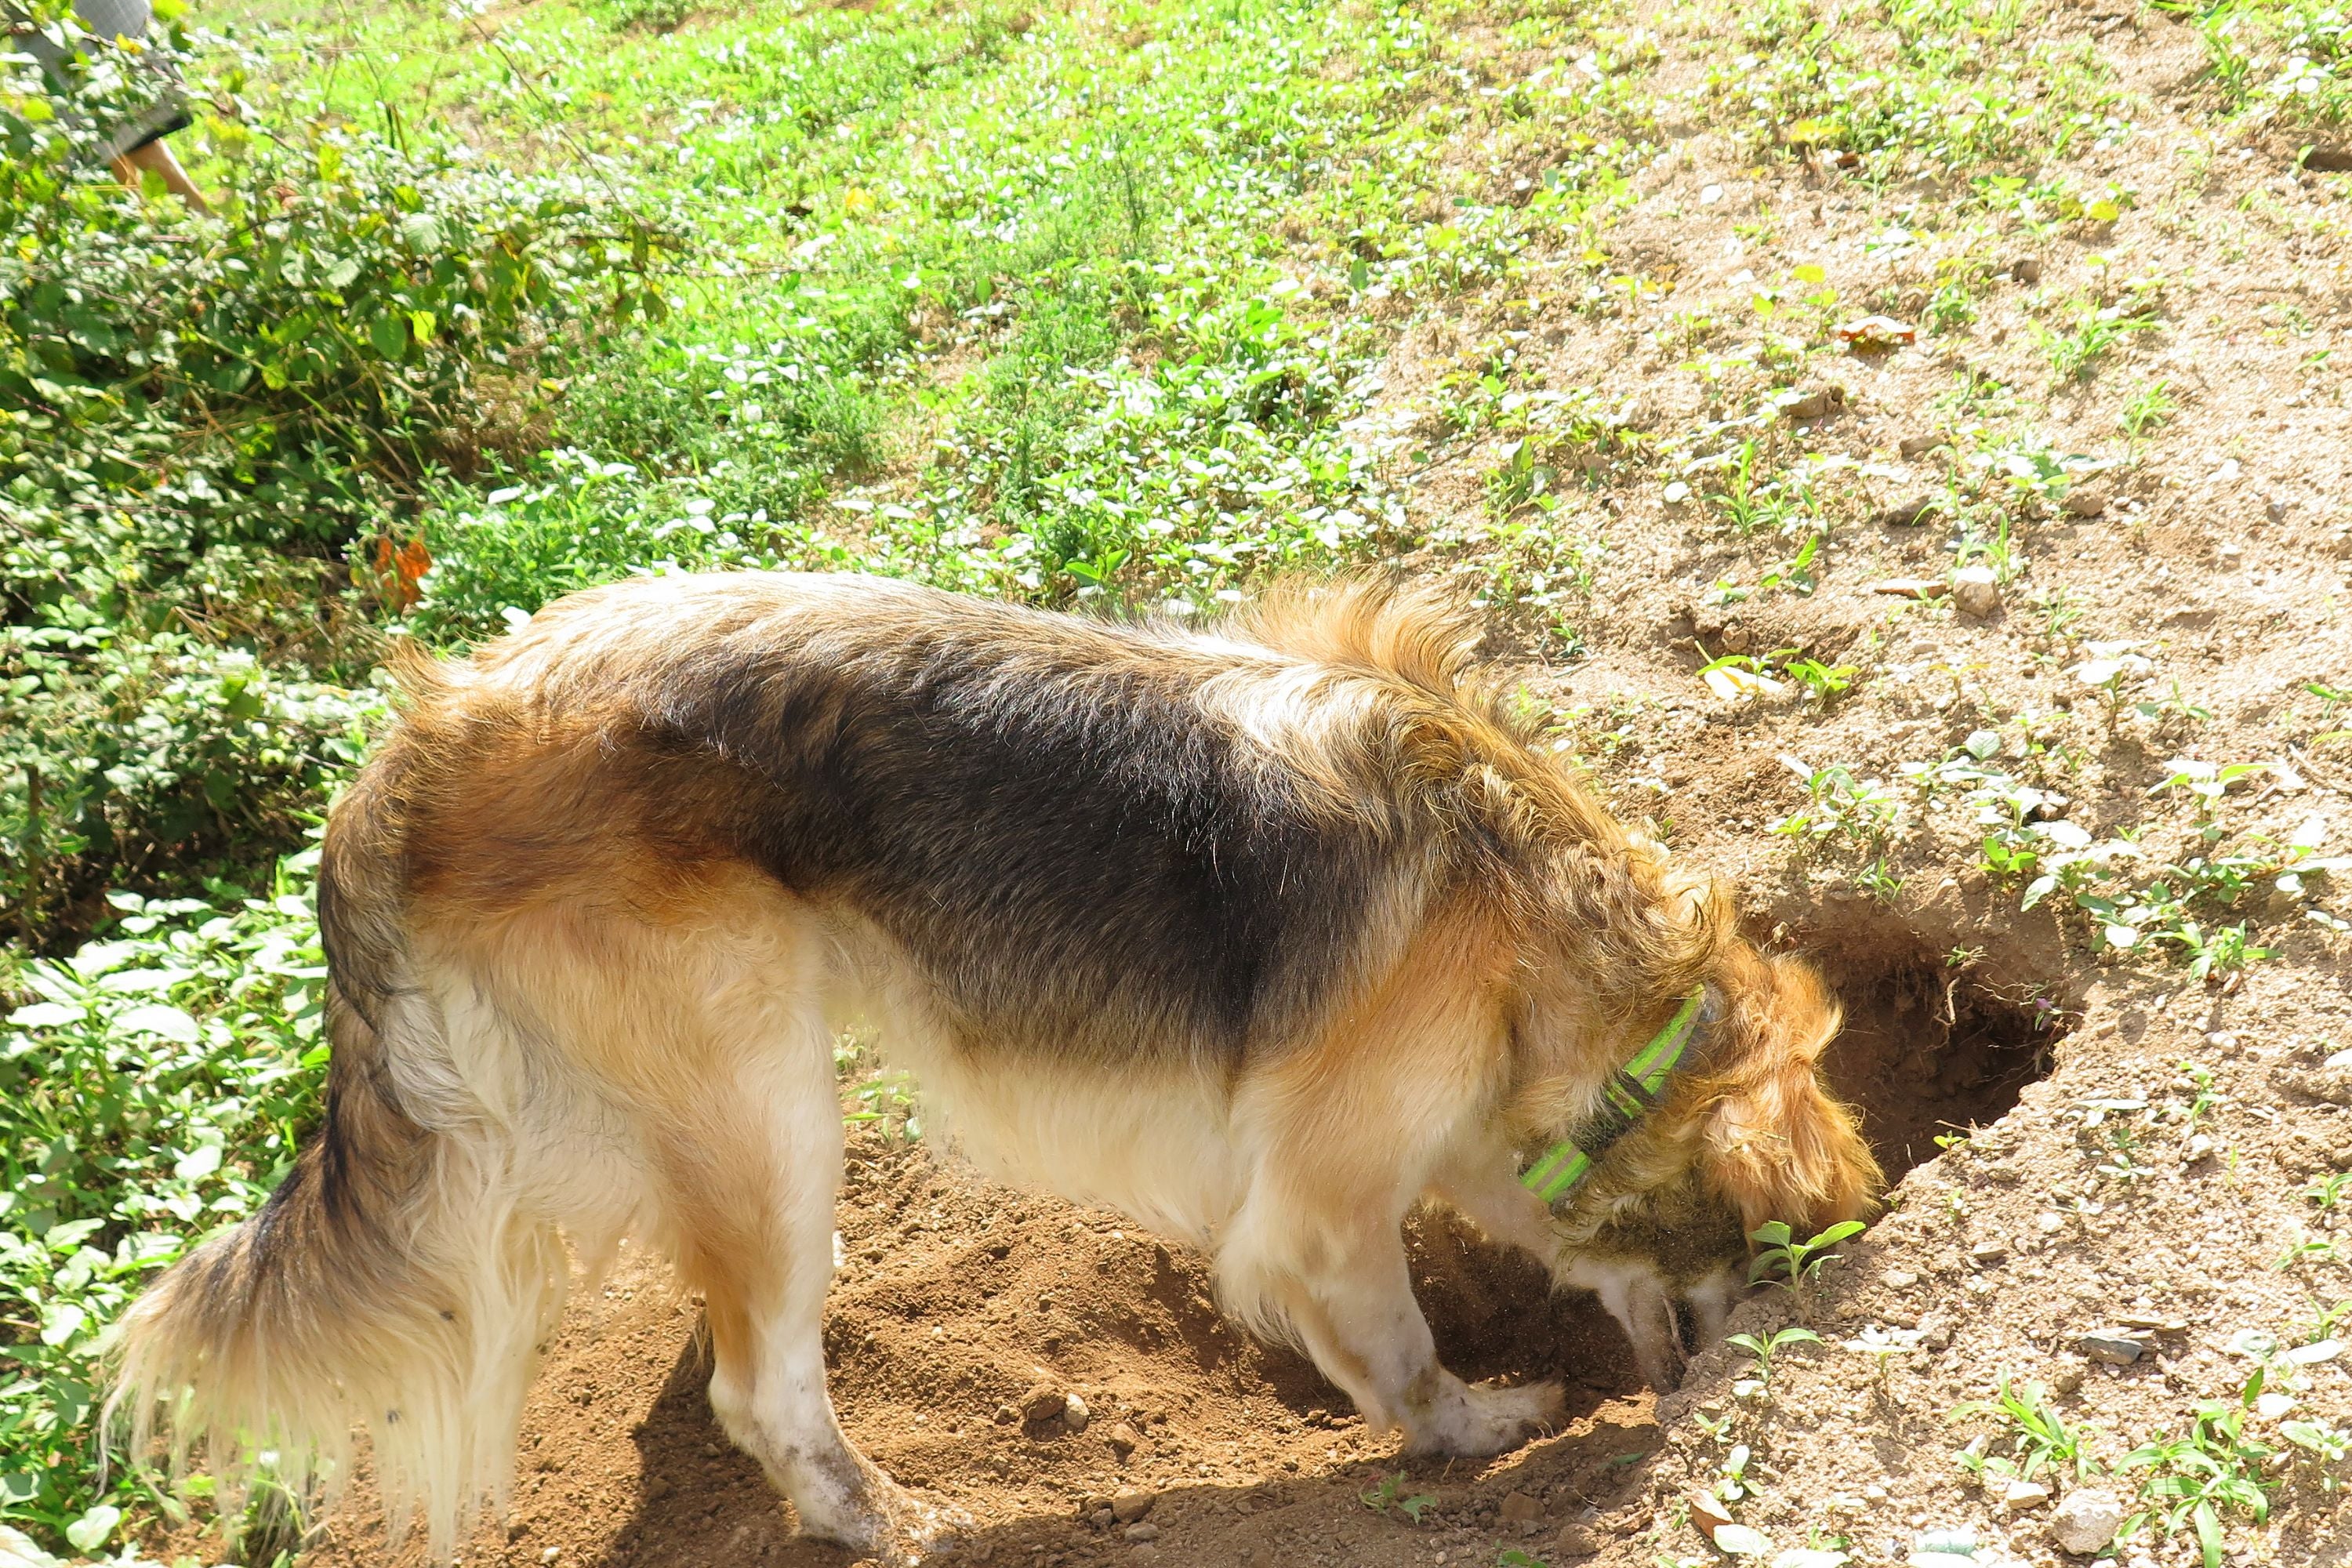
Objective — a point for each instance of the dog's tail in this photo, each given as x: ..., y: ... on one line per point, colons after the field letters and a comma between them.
x: 394, y: 1279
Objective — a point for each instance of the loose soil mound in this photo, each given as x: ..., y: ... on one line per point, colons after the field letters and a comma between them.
x: 955, y: 1301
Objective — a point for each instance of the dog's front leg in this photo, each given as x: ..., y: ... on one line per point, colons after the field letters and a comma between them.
x: 1484, y: 1190
x: 1339, y: 1285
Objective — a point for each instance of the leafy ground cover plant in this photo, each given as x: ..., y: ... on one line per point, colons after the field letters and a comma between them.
x: 199, y: 416
x: 153, y: 1087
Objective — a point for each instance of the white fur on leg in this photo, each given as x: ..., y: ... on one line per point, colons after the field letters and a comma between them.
x: 1473, y: 1422
x: 768, y: 1388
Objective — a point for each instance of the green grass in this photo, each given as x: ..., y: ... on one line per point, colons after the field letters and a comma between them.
x: 1053, y: 349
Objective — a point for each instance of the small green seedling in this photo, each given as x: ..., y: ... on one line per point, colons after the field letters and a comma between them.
x: 2329, y: 697
x: 1883, y: 1346
x: 1879, y: 880
x: 2306, y: 1252
x: 2216, y: 954
x: 2192, y: 1479
x: 2036, y: 1433
x: 1388, y: 1495
x: 2150, y: 406
x: 1764, y: 1348
x: 2329, y: 1191
x: 1821, y: 681
x: 2328, y: 1445
x: 1795, y: 1266
x: 2201, y: 1080
x: 1734, y: 1469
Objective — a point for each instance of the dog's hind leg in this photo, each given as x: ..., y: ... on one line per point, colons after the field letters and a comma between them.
x: 748, y: 1185
x: 707, y: 1032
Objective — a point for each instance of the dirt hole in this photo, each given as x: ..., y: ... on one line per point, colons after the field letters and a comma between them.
x: 1927, y: 1051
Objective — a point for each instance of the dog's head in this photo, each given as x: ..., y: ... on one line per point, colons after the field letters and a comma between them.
x: 1766, y: 1134
x: 1746, y: 1134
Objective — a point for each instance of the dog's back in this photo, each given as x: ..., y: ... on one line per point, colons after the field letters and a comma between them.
x: 1052, y: 819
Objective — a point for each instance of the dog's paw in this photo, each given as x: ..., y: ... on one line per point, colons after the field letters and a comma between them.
x: 1479, y: 1421
x: 893, y: 1528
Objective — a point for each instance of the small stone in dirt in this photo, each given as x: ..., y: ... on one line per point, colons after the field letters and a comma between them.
x: 2066, y: 1381
x: 1920, y: 446
x: 658, y: 1489
x: 1129, y: 1507
x: 1575, y: 1541
x: 1006, y: 1416
x: 2329, y: 159
x: 2018, y: 1495
x: 2112, y: 1349
x: 1987, y: 1253
x: 2331, y: 1081
x: 1125, y: 1439
x: 1042, y: 1403
x: 517, y: 1529
x: 1812, y: 403
x: 1908, y: 513
x: 1143, y: 1531
x: 1708, y: 1514
x: 1912, y: 588
x: 2086, y: 1522
x: 1075, y: 1414
x: 2026, y: 269
x: 1899, y: 1279
x: 1976, y: 591
x: 2085, y: 500
x: 1520, y: 1508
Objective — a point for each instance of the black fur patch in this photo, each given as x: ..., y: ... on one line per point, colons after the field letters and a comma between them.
x: 1080, y: 859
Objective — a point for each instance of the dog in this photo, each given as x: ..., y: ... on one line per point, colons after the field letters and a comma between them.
x: 1261, y: 931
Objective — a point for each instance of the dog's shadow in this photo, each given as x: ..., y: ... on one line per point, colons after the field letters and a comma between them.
x: 700, y: 1501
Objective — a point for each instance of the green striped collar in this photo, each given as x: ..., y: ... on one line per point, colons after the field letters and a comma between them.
x: 1627, y: 1097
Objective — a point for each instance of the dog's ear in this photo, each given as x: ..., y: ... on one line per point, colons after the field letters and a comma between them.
x: 1780, y: 1146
